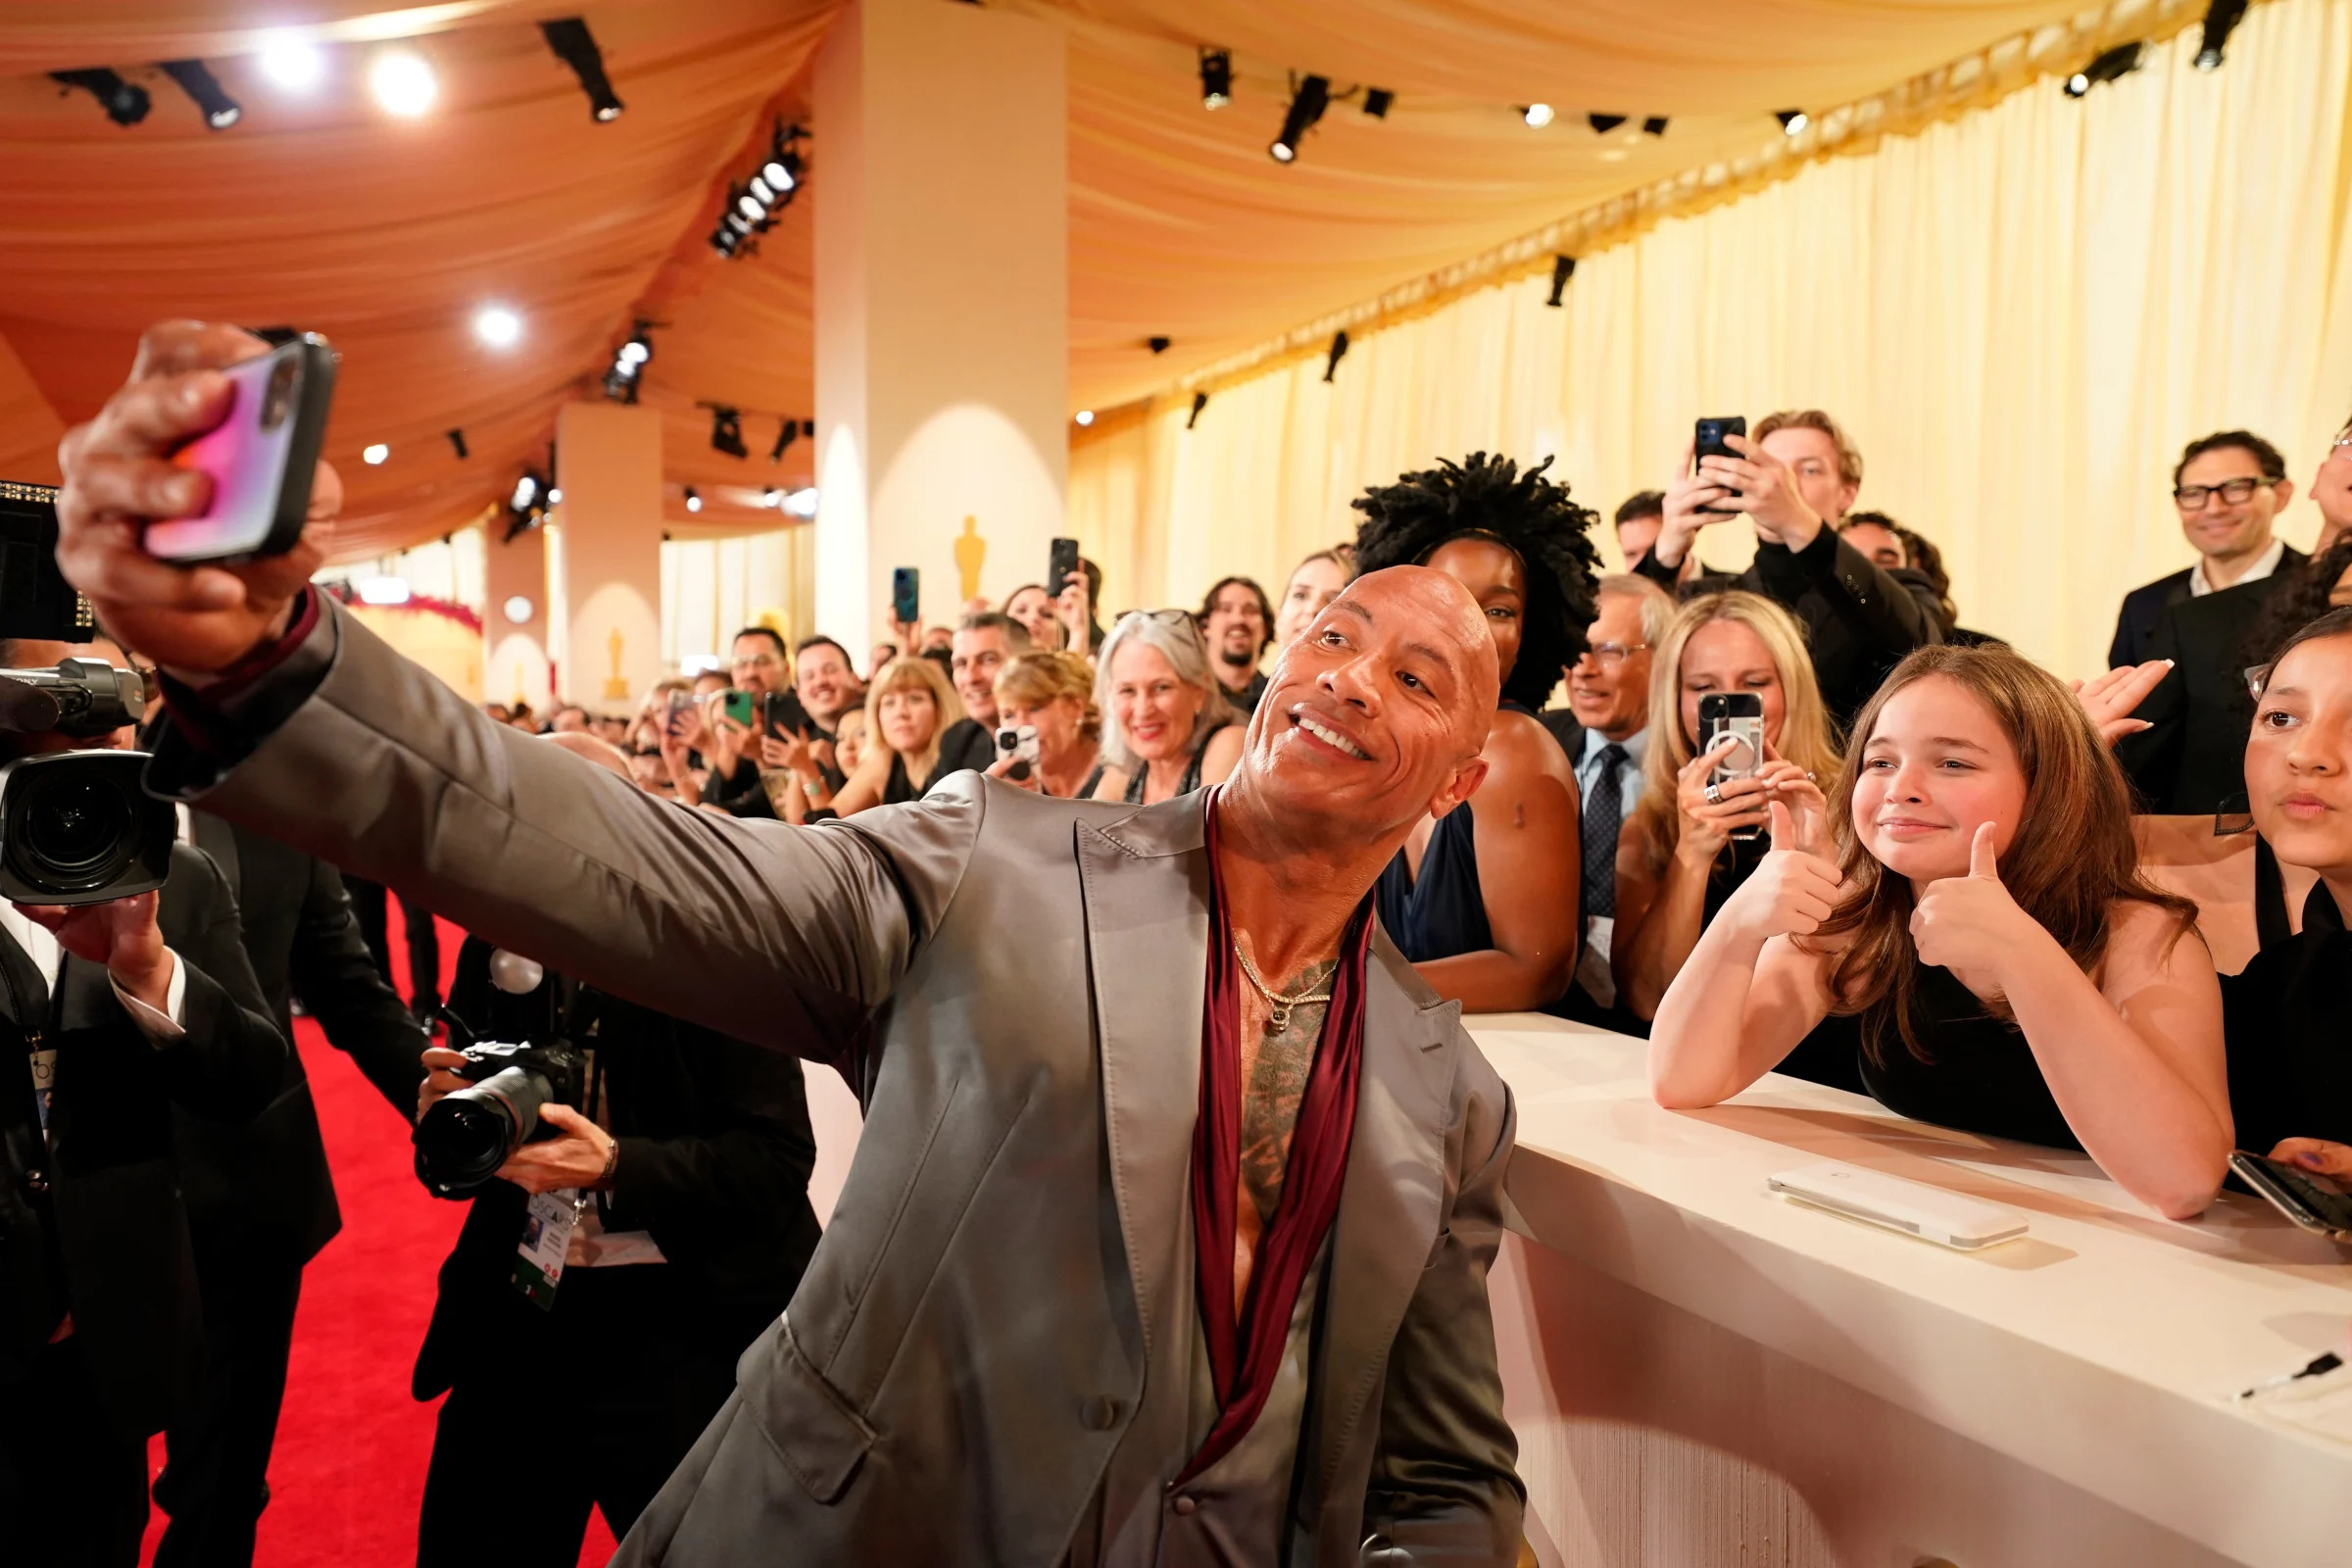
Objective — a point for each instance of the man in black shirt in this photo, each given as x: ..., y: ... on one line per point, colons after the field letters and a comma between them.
x: 1238, y: 623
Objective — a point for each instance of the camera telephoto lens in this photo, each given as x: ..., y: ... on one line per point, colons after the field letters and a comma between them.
x: 77, y: 832
x: 469, y: 1132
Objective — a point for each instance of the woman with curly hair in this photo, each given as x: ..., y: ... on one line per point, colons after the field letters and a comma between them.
x: 1485, y: 900
x: 1984, y: 941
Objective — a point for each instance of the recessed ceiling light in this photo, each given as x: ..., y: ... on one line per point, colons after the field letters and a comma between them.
x: 1086, y: 415
x: 374, y: 455
x: 498, y: 326
x: 292, y: 61
x: 403, y: 83
x: 1537, y: 116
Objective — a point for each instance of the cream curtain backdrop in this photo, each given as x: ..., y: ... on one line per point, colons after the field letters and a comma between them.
x: 2021, y: 314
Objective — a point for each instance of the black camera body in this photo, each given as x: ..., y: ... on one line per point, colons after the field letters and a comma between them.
x: 77, y: 827
x: 469, y: 1133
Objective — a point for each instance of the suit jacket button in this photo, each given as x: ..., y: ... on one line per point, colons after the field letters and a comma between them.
x: 1185, y: 1507
x: 1101, y: 1414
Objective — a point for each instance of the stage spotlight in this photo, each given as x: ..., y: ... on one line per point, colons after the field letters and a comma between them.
x: 786, y: 432
x: 1086, y: 417
x: 1378, y: 101
x: 1537, y: 116
x: 1200, y: 402
x: 1339, y: 352
x: 694, y: 502
x: 1602, y: 124
x: 771, y: 497
x: 1307, y: 103
x: 1563, y: 267
x: 727, y: 432
x: 498, y: 326
x: 1216, y: 78
x: 527, y: 493
x: 554, y: 495
x: 2117, y: 61
x: 403, y: 83
x: 374, y: 456
x: 628, y: 361
x: 292, y: 61
x: 802, y: 503
x: 457, y: 441
x: 220, y: 111
x: 1654, y: 126
x: 753, y: 205
x: 2221, y: 20
x: 1791, y: 120
x: 570, y: 40
x: 1157, y: 344
x: 125, y: 102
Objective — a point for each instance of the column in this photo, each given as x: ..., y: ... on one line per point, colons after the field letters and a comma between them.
x: 938, y: 172
x: 515, y: 618
x: 609, y: 467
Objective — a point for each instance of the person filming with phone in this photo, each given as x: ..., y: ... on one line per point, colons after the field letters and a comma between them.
x: 1795, y: 481
x: 1049, y: 731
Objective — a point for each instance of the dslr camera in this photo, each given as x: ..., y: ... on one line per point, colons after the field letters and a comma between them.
x: 469, y: 1133
x: 75, y: 826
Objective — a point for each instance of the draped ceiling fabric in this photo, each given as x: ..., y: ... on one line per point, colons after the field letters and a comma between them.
x: 386, y: 236
x: 2022, y: 314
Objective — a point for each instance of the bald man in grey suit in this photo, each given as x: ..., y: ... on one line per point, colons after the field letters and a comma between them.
x: 1167, y: 1238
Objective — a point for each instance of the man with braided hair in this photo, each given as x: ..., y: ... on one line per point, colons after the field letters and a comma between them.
x: 1486, y: 900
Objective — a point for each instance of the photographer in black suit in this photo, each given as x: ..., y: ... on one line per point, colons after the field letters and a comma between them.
x: 124, y: 1011
x: 691, y: 1153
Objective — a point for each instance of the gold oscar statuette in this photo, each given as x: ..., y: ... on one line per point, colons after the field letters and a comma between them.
x: 971, y: 550
x: 616, y: 688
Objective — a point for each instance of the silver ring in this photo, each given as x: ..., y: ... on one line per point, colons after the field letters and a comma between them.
x: 1714, y: 794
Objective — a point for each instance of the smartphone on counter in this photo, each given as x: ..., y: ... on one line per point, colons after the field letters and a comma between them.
x: 1706, y: 441
x: 1739, y: 714
x: 262, y: 457
x: 906, y: 596
x: 2315, y: 1202
x: 1063, y: 561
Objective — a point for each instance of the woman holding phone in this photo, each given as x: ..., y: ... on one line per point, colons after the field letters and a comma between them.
x: 1984, y: 942
x: 1690, y: 841
x: 1053, y: 695
x: 915, y: 735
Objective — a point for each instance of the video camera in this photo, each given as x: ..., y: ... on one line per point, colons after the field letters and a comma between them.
x: 75, y: 826
x: 467, y: 1133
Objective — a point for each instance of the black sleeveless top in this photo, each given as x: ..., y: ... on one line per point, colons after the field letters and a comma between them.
x: 1442, y: 913
x: 1980, y: 1076
x: 1142, y: 775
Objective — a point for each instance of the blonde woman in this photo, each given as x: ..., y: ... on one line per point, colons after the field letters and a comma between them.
x: 1053, y: 693
x: 1170, y: 730
x: 1688, y: 844
x: 915, y: 735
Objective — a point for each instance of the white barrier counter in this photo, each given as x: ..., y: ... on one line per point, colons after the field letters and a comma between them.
x: 1676, y: 1330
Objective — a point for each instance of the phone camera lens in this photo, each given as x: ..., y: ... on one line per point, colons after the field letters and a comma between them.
x: 279, y: 395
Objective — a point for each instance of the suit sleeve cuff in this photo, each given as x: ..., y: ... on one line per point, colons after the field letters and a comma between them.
x: 169, y: 1024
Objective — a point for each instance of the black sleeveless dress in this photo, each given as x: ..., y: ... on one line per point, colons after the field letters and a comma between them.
x: 1442, y: 913
x: 1142, y: 776
x: 1981, y: 1075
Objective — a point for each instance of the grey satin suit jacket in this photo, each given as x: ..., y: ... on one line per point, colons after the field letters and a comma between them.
x: 1012, y: 985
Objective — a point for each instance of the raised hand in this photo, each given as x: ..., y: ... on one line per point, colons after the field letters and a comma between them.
x: 1970, y: 924
x: 1792, y: 890
x: 119, y: 478
x: 1689, y: 495
x: 1765, y: 488
x: 2110, y: 698
x: 1706, y: 824
x: 120, y: 933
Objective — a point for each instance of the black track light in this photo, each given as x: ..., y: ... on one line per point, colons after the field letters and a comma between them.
x: 1339, y: 352
x: 220, y: 111
x: 693, y: 500
x: 1200, y: 402
x: 570, y: 38
x: 786, y: 432
x: 1602, y: 124
x: 1157, y: 344
x: 457, y: 441
x: 1791, y: 120
x: 1378, y: 101
x: 2221, y: 20
x: 2117, y: 61
x: 1563, y: 267
x: 1654, y: 126
x: 754, y: 204
x: 124, y: 102
x: 726, y: 431
x: 1307, y: 103
x: 626, y: 371
x: 1216, y: 78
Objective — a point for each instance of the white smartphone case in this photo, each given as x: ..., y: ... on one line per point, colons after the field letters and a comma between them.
x: 1913, y: 1208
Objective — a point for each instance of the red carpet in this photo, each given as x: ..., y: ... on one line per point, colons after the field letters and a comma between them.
x: 349, y: 1470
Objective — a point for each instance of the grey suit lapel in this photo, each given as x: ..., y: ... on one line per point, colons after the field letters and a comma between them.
x: 1388, y: 1208
x: 1145, y: 887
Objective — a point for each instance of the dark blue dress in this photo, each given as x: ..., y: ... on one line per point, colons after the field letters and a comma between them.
x: 1443, y: 914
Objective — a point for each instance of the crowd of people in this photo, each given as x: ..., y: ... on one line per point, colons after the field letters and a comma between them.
x: 1792, y: 818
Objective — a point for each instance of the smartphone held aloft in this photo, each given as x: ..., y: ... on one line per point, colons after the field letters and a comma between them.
x: 262, y: 457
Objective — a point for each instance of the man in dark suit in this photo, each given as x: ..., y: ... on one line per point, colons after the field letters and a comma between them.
x: 2228, y: 488
x: 1795, y: 479
x: 130, y: 1010
x: 260, y: 1202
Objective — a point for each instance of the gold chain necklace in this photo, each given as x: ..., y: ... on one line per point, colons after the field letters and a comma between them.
x: 1278, y: 1017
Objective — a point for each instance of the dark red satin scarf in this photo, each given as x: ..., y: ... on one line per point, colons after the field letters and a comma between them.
x: 1244, y: 1355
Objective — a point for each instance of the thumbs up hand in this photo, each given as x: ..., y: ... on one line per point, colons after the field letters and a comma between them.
x: 1970, y: 924
x: 1791, y: 893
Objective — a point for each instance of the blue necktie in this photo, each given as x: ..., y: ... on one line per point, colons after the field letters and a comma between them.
x: 1605, y: 810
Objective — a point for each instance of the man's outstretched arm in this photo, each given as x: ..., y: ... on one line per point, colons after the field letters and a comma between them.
x: 307, y: 728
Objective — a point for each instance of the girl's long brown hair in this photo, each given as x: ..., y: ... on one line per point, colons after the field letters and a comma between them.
x: 2074, y: 856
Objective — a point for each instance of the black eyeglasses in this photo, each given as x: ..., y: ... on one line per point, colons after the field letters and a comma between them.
x: 2237, y: 492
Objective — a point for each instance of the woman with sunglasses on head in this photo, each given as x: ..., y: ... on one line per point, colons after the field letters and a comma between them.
x: 1486, y: 900
x: 1984, y: 942
x: 1167, y: 728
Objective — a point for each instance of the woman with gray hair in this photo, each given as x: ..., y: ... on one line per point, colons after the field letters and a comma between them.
x: 1167, y: 729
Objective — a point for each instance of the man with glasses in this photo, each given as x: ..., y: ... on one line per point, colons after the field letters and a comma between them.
x: 1605, y: 732
x: 2229, y: 488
